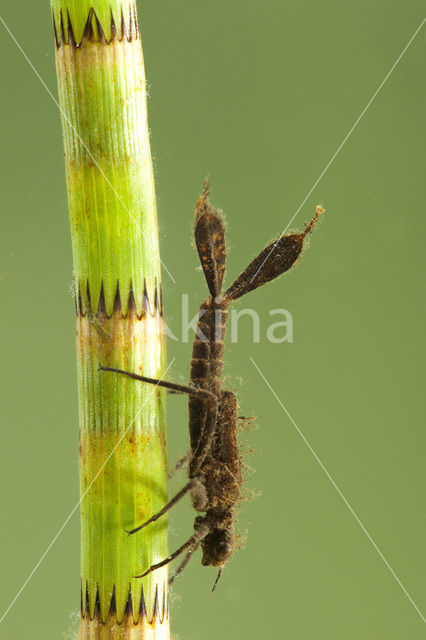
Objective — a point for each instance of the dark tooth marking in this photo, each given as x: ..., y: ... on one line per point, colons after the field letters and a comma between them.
x: 93, y: 31
x: 160, y: 608
x: 147, y: 308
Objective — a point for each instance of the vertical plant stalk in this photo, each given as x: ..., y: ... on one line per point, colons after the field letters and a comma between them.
x: 122, y: 441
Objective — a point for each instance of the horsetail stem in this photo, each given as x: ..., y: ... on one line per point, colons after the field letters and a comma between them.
x: 122, y: 441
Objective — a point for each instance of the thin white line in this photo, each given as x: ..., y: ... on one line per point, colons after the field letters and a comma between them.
x: 80, y: 139
x: 345, y: 139
x: 80, y: 500
x: 341, y: 494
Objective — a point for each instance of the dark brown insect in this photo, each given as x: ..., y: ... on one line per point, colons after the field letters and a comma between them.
x: 215, y: 463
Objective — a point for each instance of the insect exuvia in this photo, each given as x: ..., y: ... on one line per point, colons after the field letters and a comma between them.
x: 215, y: 465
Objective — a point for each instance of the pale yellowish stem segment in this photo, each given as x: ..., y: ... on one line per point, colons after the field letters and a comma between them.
x: 122, y: 463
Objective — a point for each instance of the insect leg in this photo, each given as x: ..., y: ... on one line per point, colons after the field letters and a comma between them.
x: 192, y: 542
x: 183, y: 564
x: 204, y: 443
x: 179, y: 388
x: 189, y: 485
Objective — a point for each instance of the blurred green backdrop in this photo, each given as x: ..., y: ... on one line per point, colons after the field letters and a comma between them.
x: 258, y: 95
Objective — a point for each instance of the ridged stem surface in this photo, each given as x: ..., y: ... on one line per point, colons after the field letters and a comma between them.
x: 122, y: 441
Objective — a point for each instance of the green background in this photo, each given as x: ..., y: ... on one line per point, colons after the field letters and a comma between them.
x: 259, y: 95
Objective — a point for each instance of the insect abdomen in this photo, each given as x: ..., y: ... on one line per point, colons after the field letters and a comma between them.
x: 206, y: 362
x: 207, y: 351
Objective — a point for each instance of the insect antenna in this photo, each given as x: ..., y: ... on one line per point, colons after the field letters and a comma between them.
x: 219, y: 573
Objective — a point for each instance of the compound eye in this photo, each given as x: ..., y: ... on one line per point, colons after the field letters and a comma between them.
x: 222, y: 551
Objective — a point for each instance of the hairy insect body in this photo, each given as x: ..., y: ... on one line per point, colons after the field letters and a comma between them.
x: 206, y: 374
x: 215, y: 465
x: 213, y: 429
x: 222, y: 475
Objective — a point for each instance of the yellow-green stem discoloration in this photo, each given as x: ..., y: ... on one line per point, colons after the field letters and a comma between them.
x: 122, y: 434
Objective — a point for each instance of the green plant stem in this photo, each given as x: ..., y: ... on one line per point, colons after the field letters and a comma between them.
x: 123, y: 463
